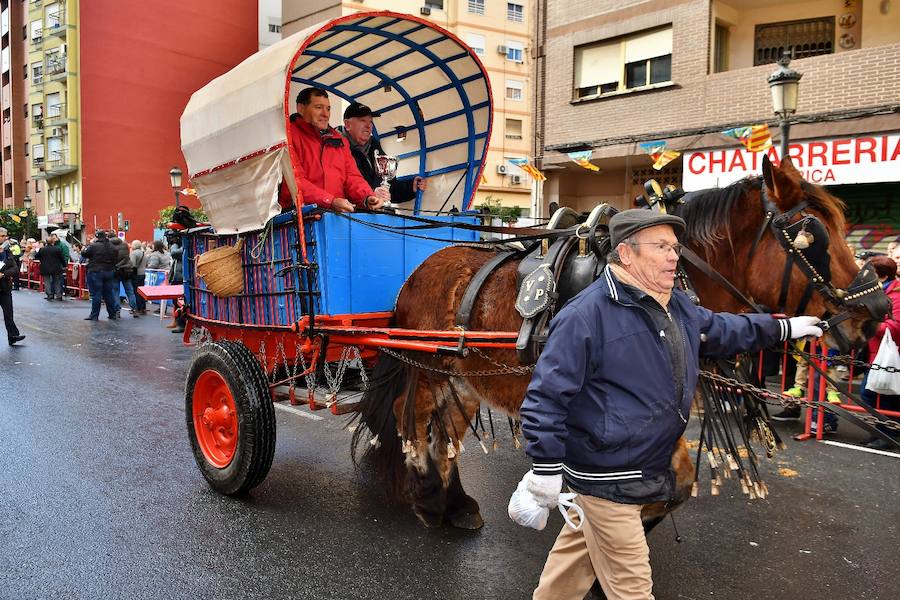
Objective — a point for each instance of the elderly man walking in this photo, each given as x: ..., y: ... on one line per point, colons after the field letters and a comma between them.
x: 8, y: 268
x: 611, y: 395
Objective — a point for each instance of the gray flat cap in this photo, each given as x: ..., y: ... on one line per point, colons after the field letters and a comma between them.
x: 628, y: 222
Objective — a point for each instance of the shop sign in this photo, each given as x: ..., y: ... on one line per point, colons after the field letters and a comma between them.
x: 840, y: 161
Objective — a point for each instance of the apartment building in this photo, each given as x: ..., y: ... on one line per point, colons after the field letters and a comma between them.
x: 92, y: 95
x: 613, y: 74
x: 500, y: 34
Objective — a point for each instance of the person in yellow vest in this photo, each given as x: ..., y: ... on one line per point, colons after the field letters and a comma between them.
x: 16, y: 250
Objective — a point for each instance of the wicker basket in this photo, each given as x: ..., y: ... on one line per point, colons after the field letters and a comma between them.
x: 221, y: 270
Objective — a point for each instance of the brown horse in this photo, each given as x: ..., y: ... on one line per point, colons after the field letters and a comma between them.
x: 419, y: 410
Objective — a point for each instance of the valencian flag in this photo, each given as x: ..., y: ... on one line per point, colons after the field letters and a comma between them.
x: 755, y: 138
x: 188, y: 192
x: 657, y: 151
x: 483, y: 177
x: 523, y: 164
x: 583, y: 159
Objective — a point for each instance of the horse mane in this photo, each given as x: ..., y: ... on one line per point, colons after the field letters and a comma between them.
x: 707, y: 213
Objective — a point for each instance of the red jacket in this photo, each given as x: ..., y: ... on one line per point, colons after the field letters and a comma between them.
x: 892, y: 322
x: 326, y: 166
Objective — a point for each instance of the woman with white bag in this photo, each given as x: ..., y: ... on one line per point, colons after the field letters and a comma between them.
x: 883, y: 352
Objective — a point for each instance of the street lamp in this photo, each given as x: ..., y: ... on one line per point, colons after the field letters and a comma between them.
x: 175, y: 177
x: 784, y: 85
x: 26, y: 202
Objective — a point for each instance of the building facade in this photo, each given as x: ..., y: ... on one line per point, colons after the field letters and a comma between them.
x: 615, y: 74
x: 92, y: 96
x: 500, y: 34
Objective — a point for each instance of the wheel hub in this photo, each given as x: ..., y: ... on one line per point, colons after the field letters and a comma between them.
x: 215, y: 418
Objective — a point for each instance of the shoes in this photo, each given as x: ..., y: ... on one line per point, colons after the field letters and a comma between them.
x: 178, y: 330
x: 833, y: 396
x: 16, y: 338
x: 788, y: 414
x: 796, y: 392
x: 135, y: 314
x: 60, y: 298
x: 48, y: 298
x: 828, y: 426
x: 92, y: 318
x: 875, y: 444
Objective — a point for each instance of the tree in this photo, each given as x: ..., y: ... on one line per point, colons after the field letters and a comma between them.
x: 165, y: 216
x: 15, y: 220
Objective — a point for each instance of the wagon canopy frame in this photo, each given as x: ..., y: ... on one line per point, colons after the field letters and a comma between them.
x: 430, y: 91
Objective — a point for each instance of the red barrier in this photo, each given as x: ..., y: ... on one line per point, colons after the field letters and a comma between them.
x: 76, y: 278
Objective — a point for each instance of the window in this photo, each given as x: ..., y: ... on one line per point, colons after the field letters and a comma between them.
x: 37, y: 186
x: 274, y: 28
x: 37, y: 31
x: 476, y: 7
x: 476, y: 42
x: 514, y: 89
x: 435, y: 4
x: 807, y: 37
x: 515, y: 12
x: 26, y: 148
x: 38, y: 154
x: 515, y: 51
x: 722, y: 44
x: 626, y: 63
x: 514, y: 129
x: 26, y: 110
x: 37, y: 72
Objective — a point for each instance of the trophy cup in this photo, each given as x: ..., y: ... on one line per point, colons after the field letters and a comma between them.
x: 386, y: 168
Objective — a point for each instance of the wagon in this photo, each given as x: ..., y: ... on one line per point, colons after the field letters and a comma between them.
x: 319, y: 287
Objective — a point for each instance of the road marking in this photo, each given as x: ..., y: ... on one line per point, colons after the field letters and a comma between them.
x: 297, y: 411
x: 862, y: 449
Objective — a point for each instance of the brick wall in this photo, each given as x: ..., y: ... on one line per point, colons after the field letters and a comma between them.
x: 848, y: 80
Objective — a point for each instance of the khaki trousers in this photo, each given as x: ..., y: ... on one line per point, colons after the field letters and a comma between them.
x: 610, y: 547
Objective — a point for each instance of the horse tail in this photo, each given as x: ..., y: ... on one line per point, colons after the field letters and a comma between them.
x: 376, y: 442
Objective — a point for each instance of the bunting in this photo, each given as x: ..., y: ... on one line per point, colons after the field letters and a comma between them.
x: 755, y: 138
x: 188, y: 192
x: 483, y: 178
x: 583, y: 159
x: 658, y: 153
x: 523, y: 164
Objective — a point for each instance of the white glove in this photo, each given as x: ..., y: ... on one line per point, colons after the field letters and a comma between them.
x: 805, y: 326
x: 544, y: 488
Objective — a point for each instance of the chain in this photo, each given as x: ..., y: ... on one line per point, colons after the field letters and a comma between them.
x: 334, y: 381
x: 773, y: 398
x: 840, y: 359
x: 521, y: 370
x: 504, y: 370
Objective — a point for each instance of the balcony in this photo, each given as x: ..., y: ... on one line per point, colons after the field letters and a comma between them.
x: 56, y: 25
x: 37, y: 123
x: 36, y: 43
x: 56, y: 116
x: 56, y: 164
x: 56, y: 68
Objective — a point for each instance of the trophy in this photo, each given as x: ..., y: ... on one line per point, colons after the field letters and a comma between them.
x: 386, y: 168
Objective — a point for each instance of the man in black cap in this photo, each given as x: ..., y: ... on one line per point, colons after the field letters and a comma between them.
x: 363, y: 145
x: 611, y: 395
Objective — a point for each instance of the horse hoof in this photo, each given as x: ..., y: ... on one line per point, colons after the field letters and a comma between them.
x: 471, y: 521
x: 429, y: 521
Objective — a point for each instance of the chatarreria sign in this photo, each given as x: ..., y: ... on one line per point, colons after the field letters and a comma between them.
x: 864, y: 159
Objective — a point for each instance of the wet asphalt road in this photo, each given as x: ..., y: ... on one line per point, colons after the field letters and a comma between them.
x: 100, y: 498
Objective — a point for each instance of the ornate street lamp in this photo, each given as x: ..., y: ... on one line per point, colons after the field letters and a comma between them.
x: 784, y: 85
x: 175, y: 177
x: 26, y: 202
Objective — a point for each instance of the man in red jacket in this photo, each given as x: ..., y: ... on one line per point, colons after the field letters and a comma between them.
x: 328, y: 175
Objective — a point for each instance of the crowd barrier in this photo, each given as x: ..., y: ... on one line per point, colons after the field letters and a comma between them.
x: 76, y: 278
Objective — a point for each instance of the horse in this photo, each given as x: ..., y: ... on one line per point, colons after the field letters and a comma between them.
x: 416, y: 412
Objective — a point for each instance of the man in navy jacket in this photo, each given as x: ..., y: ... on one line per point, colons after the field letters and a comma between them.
x: 611, y: 395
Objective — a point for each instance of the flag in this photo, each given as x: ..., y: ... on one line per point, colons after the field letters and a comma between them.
x: 755, y: 138
x: 483, y: 178
x: 583, y: 159
x: 523, y: 164
x: 189, y: 192
x: 658, y: 153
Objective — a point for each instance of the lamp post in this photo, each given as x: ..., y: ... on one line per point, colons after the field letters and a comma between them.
x: 26, y: 202
x: 175, y: 177
x: 784, y: 85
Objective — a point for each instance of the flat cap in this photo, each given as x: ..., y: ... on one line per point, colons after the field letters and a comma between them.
x: 628, y: 222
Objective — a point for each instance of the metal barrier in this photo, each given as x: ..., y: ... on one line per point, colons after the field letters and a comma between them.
x: 75, y: 283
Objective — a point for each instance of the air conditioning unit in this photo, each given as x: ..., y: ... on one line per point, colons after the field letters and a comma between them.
x: 57, y: 132
x: 501, y: 169
x: 502, y: 49
x: 516, y: 179
x: 425, y: 10
x: 62, y: 49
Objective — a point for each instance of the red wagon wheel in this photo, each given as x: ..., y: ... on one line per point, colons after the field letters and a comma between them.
x: 230, y: 417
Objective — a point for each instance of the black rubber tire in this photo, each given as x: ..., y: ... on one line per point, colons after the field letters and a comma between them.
x: 255, y: 446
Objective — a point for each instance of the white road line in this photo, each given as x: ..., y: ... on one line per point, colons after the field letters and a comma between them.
x: 298, y: 411
x: 862, y: 449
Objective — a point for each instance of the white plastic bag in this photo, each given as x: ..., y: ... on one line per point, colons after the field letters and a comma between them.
x: 881, y: 381
x: 525, y: 511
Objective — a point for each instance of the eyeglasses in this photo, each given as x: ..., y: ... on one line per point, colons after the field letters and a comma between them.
x: 661, y: 248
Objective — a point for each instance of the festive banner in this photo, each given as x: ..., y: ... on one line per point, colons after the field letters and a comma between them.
x: 483, y: 178
x: 583, y: 159
x: 755, y: 138
x: 523, y: 164
x: 188, y: 192
x: 657, y: 151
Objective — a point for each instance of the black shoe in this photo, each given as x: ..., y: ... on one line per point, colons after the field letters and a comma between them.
x: 48, y: 298
x: 92, y: 318
x: 178, y: 330
x: 876, y: 444
x: 16, y: 338
x: 788, y: 414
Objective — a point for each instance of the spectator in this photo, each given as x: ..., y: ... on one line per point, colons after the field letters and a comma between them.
x: 75, y: 252
x: 7, y: 268
x: 101, y: 276
x: 139, y: 259
x: 159, y: 258
x: 16, y: 251
x: 124, y: 273
x: 886, y: 269
x: 53, y: 268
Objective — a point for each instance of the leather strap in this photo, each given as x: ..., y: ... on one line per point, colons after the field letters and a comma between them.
x: 464, y: 312
x: 704, y: 267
